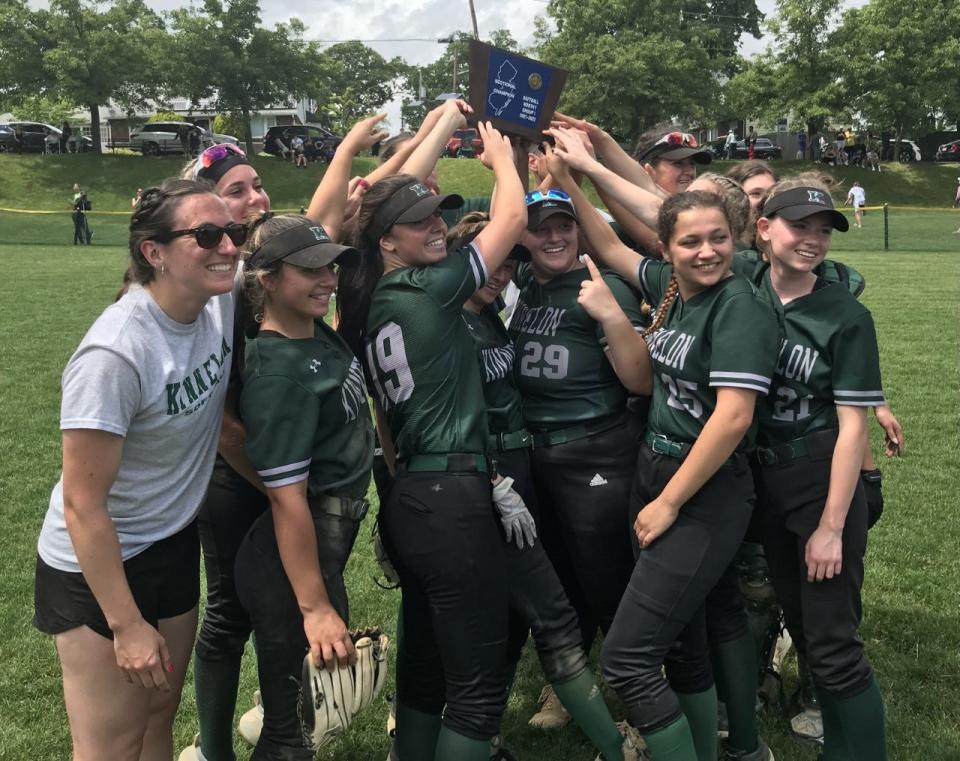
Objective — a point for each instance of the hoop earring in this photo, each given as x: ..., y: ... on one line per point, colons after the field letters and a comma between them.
x: 258, y: 317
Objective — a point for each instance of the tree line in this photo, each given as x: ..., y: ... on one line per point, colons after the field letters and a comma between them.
x: 889, y: 64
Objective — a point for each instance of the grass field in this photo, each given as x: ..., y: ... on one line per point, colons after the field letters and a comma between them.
x: 49, y: 295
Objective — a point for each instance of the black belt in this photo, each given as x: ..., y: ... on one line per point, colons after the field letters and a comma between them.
x: 452, y: 463
x: 576, y: 432
x: 819, y: 444
x: 342, y: 507
x: 504, y: 442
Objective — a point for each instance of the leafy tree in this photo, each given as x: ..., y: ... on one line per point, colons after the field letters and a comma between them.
x: 799, y: 73
x: 633, y: 64
x: 96, y: 54
x: 438, y: 78
x: 227, y: 124
x: 164, y: 116
x: 354, y: 82
x: 887, y: 79
x: 24, y: 37
x: 41, y: 108
x: 223, y: 52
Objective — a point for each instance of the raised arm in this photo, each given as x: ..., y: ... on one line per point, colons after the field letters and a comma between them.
x: 508, y: 209
x: 400, y: 156
x: 91, y: 460
x: 330, y: 198
x: 605, y: 244
x: 424, y: 157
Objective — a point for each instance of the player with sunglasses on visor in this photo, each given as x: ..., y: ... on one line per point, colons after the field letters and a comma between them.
x: 236, y: 498
x: 575, y: 405
x: 117, y: 577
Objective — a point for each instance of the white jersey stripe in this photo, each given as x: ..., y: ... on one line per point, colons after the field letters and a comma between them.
x: 286, y: 481
x: 283, y: 468
x: 731, y: 384
x: 837, y: 392
x: 740, y: 376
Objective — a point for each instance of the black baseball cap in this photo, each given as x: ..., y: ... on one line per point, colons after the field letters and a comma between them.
x: 802, y: 202
x: 541, y: 205
x: 676, y: 146
x: 410, y: 203
x: 306, y: 245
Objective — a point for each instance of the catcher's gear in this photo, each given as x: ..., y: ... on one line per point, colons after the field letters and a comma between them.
x: 517, y: 522
x: 329, y: 699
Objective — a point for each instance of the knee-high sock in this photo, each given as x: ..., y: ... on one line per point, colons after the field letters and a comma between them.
x: 700, y: 708
x: 215, y: 686
x: 861, y: 722
x: 417, y: 732
x: 734, y: 666
x: 452, y: 746
x: 582, y: 698
x: 672, y: 743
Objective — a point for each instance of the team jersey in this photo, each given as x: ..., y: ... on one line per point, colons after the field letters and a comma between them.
x: 562, y: 372
x: 828, y: 356
x: 748, y: 263
x: 724, y: 336
x: 495, y: 354
x: 421, y: 359
x: 304, y: 405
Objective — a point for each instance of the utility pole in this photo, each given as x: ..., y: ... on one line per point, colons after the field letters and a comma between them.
x: 473, y: 18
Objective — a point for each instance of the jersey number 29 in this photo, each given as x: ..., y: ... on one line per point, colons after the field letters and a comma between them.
x: 387, y: 359
x: 549, y: 361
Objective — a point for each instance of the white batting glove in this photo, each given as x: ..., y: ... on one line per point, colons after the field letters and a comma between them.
x: 517, y: 522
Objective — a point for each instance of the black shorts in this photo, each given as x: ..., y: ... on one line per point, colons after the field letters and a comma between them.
x: 164, y: 580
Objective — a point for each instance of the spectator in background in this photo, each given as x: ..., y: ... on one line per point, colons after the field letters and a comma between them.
x: 729, y: 144
x: 751, y: 144
x: 296, y: 146
x: 815, y: 146
x: 281, y: 148
x: 136, y: 198
x: 841, y: 144
x: 51, y: 143
x: 801, y: 145
x: 81, y: 227
x: 194, y: 141
x: 857, y: 197
x: 65, y: 137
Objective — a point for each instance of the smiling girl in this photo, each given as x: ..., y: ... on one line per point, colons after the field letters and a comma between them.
x: 117, y: 578
x: 812, y: 441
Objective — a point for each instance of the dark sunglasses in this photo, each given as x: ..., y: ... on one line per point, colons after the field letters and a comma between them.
x: 209, y: 235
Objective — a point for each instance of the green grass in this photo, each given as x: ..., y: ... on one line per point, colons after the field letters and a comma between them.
x: 49, y: 295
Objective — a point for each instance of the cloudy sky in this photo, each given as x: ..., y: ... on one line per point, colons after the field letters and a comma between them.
x: 410, y: 28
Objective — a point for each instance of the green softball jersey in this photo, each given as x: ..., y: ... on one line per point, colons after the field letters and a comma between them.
x: 304, y: 405
x: 495, y: 354
x: 421, y: 358
x: 562, y: 370
x: 724, y: 336
x: 828, y: 356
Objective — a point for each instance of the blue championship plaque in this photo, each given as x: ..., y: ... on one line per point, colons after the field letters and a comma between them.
x: 517, y: 94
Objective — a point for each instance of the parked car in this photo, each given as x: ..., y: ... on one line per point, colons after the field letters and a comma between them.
x: 8, y: 141
x: 457, y: 139
x: 324, y: 138
x: 762, y: 149
x: 159, y: 138
x: 948, y: 151
x: 34, y: 136
x: 909, y: 151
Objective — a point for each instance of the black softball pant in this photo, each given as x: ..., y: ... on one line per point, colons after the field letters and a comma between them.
x: 229, y: 510
x: 821, y: 616
x: 583, y: 494
x: 538, y: 604
x: 279, y: 639
x: 441, y: 533
x: 660, y: 621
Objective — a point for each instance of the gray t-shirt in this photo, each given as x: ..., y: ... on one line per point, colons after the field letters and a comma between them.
x: 161, y: 385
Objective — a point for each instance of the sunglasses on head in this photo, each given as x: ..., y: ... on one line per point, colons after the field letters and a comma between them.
x: 216, y: 153
x: 209, y: 235
x: 536, y: 196
x: 678, y: 138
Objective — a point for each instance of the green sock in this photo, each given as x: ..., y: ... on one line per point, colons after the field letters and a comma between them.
x: 452, y: 746
x: 215, y: 685
x: 417, y: 732
x: 860, y: 722
x: 733, y: 664
x: 672, y: 743
x: 700, y: 708
x: 582, y: 698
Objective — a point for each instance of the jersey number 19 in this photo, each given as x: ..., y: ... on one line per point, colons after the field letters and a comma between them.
x: 387, y: 360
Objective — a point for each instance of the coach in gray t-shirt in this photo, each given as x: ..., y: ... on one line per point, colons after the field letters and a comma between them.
x: 117, y: 579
